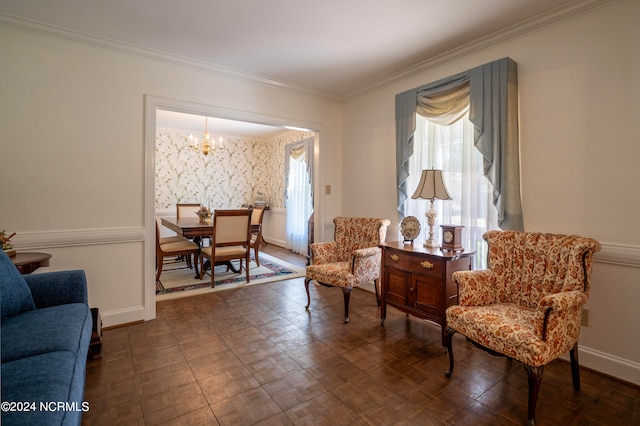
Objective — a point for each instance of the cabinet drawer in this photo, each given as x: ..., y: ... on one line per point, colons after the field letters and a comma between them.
x: 414, y: 262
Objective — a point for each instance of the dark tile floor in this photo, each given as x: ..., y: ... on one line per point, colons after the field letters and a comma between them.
x: 255, y: 356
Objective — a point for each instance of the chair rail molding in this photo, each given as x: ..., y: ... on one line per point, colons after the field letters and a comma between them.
x: 619, y: 254
x: 77, y: 237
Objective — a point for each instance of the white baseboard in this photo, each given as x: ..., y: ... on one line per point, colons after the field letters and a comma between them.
x: 608, y: 364
x: 275, y: 242
x: 122, y: 316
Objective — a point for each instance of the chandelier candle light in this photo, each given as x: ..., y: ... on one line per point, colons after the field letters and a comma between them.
x: 208, y: 143
x: 431, y: 187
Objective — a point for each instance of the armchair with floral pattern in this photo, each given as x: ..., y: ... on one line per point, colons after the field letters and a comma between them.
x: 352, y: 259
x: 528, y: 304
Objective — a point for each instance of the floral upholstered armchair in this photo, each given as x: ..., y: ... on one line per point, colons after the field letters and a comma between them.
x: 352, y: 259
x: 528, y: 304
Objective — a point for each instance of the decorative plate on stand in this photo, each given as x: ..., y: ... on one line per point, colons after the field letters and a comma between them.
x: 410, y: 228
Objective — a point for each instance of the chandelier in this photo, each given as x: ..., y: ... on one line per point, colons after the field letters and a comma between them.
x: 207, y: 144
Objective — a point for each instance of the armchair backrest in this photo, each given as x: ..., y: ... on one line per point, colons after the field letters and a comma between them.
x: 531, y: 265
x: 353, y: 233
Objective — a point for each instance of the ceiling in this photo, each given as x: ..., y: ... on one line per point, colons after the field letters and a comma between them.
x: 219, y: 127
x: 331, y: 47
x: 335, y: 47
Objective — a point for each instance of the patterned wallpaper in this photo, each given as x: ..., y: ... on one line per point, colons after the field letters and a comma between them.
x: 223, y: 179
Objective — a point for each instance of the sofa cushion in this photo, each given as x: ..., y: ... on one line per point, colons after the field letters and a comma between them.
x: 15, y: 296
x: 52, y: 377
x: 57, y: 328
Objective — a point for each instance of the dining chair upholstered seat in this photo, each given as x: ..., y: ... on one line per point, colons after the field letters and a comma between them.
x: 174, y: 247
x: 176, y: 239
x: 352, y: 259
x: 172, y: 239
x: 528, y: 304
x: 230, y: 240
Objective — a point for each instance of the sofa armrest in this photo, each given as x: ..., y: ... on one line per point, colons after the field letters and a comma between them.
x: 558, y: 316
x: 58, y: 288
x: 324, y: 252
x: 475, y: 288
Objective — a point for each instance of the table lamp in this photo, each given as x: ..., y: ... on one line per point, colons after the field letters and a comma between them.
x: 431, y: 187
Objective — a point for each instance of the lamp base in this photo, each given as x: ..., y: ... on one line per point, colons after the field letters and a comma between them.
x: 431, y: 244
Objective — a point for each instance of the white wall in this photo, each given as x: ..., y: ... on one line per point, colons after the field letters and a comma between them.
x: 579, y: 101
x: 72, y: 180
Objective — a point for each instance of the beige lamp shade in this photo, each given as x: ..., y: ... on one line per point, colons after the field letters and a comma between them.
x: 431, y: 186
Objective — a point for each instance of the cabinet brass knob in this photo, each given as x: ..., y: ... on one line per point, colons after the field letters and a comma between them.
x: 426, y: 264
x: 395, y: 257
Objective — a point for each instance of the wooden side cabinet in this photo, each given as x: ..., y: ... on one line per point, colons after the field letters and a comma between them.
x: 417, y: 280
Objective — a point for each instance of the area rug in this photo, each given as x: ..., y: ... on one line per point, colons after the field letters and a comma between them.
x: 178, y: 281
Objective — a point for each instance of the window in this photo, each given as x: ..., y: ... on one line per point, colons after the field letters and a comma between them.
x: 451, y: 149
x: 489, y: 95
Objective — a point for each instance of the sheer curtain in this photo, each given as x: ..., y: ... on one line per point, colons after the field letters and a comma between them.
x: 299, y: 196
x: 451, y: 149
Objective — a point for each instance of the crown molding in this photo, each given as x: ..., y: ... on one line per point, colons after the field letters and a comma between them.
x: 92, y: 40
x: 520, y: 29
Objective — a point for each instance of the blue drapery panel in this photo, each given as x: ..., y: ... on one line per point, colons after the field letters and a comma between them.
x: 493, y: 110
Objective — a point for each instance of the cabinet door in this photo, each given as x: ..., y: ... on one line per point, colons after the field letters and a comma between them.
x: 396, y: 283
x: 426, y: 294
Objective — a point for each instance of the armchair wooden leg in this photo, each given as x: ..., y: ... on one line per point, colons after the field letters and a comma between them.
x: 306, y: 287
x: 375, y: 284
x: 575, y: 367
x: 535, y: 378
x: 448, y: 335
x: 346, y: 292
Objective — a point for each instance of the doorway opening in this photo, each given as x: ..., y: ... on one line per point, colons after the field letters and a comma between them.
x: 158, y: 113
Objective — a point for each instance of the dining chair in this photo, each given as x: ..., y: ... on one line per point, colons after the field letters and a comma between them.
x: 230, y: 240
x: 186, y: 209
x: 170, y: 239
x: 189, y: 210
x: 256, y: 231
x: 175, y: 239
x: 182, y: 247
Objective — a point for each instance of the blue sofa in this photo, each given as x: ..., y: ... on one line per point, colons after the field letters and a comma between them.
x: 45, y: 334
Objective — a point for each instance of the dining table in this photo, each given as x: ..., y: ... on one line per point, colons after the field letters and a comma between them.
x: 189, y: 227
x: 192, y: 227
